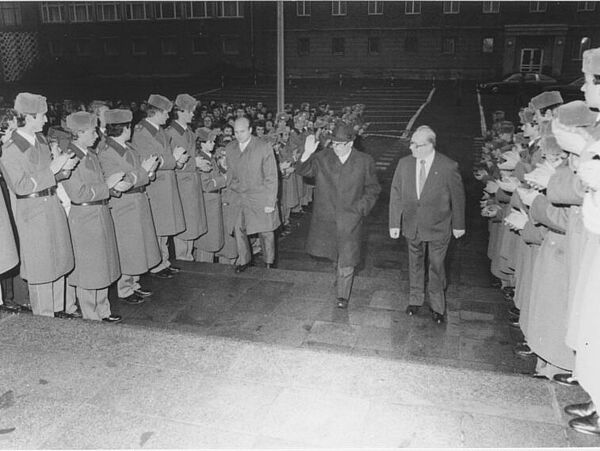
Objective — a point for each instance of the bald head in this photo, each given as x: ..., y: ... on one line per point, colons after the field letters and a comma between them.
x: 242, y: 129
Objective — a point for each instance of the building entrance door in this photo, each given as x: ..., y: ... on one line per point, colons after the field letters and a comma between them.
x: 531, y: 60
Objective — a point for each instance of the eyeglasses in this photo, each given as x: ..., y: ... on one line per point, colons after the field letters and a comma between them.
x: 412, y: 143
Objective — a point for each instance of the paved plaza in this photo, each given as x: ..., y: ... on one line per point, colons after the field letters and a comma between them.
x: 264, y: 359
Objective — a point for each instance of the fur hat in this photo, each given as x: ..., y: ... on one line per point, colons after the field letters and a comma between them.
x: 186, y: 102
x: 158, y: 101
x: 27, y: 103
x: 118, y: 116
x: 576, y: 114
x: 81, y: 121
x: 546, y: 99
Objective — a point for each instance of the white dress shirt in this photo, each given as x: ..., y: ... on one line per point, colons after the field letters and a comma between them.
x: 428, y: 163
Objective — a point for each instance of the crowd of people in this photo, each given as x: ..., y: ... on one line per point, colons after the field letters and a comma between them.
x: 542, y: 198
x: 98, y: 194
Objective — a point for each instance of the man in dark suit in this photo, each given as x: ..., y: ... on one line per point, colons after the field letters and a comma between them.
x: 346, y: 189
x: 427, y: 203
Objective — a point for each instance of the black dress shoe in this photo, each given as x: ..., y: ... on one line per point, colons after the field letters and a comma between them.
x: 438, y: 318
x: 10, y: 308
x: 587, y: 425
x: 174, y: 269
x: 523, y: 349
x: 565, y: 379
x: 241, y: 268
x: 514, y: 323
x: 112, y: 319
x: 163, y: 274
x: 580, y: 410
x: 133, y: 299
x: 143, y: 293
x: 342, y: 303
x: 412, y: 310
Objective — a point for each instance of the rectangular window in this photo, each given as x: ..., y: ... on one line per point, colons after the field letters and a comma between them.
x: 168, y: 45
x: 303, y: 46
x: 580, y: 46
x: 139, y: 46
x: 231, y: 45
x: 229, y: 9
x: 374, y: 45
x: 412, y: 7
x: 53, y: 12
x: 81, y: 12
x: 198, y: 10
x: 303, y: 8
x: 375, y: 8
x: 339, y: 8
x: 491, y: 7
x: 338, y: 46
x: 488, y: 45
x: 166, y: 10
x: 111, y: 46
x: 137, y: 11
x: 538, y: 7
x: 55, y: 48
x: 83, y: 47
x: 411, y: 44
x: 108, y: 11
x: 448, y: 45
x: 10, y: 14
x: 199, y: 45
x: 451, y: 7
x: 586, y: 6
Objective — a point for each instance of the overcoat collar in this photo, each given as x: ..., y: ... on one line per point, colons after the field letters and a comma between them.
x: 115, y: 145
x: 77, y: 151
x: 148, y: 126
x: 178, y: 128
x: 20, y: 141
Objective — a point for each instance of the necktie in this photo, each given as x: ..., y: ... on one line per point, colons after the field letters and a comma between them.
x: 422, y: 176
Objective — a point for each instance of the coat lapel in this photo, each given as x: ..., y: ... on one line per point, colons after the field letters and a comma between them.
x: 412, y: 178
x: 432, y: 177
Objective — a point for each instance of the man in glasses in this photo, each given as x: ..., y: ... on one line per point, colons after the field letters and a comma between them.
x: 427, y: 203
x: 346, y: 189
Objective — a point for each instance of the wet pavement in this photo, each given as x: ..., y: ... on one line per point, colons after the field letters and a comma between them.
x: 264, y: 359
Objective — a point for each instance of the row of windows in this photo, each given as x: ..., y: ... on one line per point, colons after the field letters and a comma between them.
x: 373, y: 45
x: 59, y: 12
x: 139, y: 46
x: 411, y: 45
x: 375, y: 8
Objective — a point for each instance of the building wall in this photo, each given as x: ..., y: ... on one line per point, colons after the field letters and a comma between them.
x: 424, y: 45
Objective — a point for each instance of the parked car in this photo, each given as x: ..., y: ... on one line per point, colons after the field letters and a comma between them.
x: 570, y: 91
x: 531, y: 84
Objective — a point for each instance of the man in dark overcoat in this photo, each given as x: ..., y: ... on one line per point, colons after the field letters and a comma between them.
x: 346, y: 189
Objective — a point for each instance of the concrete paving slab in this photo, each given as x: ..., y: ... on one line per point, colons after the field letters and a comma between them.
x: 34, y: 420
x: 108, y: 429
x: 264, y: 442
x: 375, y: 338
x: 428, y: 341
x: 283, y: 331
x: 299, y: 308
x: 320, y: 419
x: 489, y: 350
x: 388, y: 300
x: 485, y: 431
x: 395, y: 426
x: 333, y: 333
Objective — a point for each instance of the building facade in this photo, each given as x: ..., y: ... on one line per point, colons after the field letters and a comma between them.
x: 323, y: 39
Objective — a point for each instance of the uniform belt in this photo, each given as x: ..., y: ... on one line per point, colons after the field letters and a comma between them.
x: 91, y: 204
x: 43, y: 193
x: 139, y: 189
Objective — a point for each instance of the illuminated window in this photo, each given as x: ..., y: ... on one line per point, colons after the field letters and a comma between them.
x: 488, y: 45
x: 375, y: 8
x: 10, y: 14
x: 339, y: 8
x: 451, y: 7
x: 109, y: 11
x: 199, y: 10
x: 303, y: 8
x: 412, y: 7
x: 538, y: 7
x: 53, y: 12
x: 491, y: 7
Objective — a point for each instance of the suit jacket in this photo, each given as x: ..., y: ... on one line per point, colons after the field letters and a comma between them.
x: 252, y: 183
x: 441, y: 206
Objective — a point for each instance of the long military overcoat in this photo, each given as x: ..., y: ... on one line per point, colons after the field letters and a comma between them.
x: 9, y: 257
x: 252, y: 181
x: 92, y: 228
x: 212, y: 183
x: 163, y: 192
x: 44, y: 238
x: 344, y: 194
x: 188, y: 182
x: 134, y: 226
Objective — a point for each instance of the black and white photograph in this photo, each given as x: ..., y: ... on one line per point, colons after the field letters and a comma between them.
x: 294, y: 224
